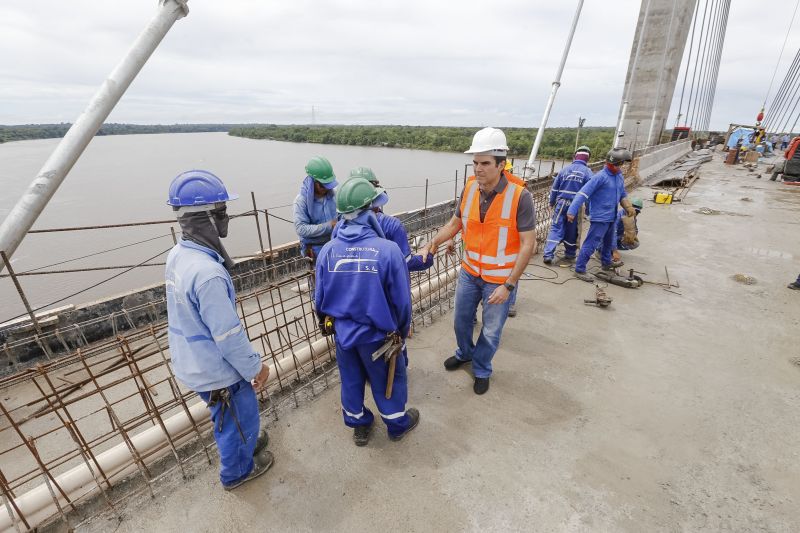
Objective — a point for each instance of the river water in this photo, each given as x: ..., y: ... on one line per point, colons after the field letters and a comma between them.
x: 124, y: 178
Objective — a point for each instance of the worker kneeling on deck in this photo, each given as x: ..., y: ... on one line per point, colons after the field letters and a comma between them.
x: 393, y: 228
x: 497, y: 221
x: 566, y: 184
x: 363, y: 296
x: 211, y: 353
x: 315, y: 207
x: 604, y: 192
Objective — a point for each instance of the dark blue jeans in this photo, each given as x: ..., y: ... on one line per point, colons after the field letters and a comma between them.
x: 471, y: 290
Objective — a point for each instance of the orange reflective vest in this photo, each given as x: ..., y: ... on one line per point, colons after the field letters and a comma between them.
x: 491, y: 247
x: 516, y: 180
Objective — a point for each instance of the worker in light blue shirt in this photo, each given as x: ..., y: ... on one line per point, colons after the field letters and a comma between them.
x: 210, y: 350
x: 315, y: 207
x: 604, y: 192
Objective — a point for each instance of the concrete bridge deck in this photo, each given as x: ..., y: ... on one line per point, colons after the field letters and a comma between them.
x: 664, y: 412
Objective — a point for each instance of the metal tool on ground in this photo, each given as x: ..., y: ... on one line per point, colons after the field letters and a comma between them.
x: 601, y: 299
x: 389, y: 350
x: 632, y: 281
x: 668, y: 286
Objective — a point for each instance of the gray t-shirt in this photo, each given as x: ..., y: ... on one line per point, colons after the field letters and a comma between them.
x: 526, y: 214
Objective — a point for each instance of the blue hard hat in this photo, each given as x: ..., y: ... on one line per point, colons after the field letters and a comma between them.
x: 197, y: 187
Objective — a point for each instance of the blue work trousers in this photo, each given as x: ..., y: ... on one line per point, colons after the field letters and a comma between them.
x: 470, y: 291
x: 356, y: 367
x: 561, y: 230
x: 600, y: 235
x: 235, y: 452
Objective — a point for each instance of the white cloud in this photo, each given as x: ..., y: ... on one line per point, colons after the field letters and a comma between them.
x: 418, y: 62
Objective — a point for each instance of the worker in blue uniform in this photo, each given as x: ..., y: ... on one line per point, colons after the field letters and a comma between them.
x: 392, y: 227
x: 363, y: 296
x: 565, y: 185
x: 795, y: 285
x: 604, y: 192
x: 315, y: 206
x: 210, y: 350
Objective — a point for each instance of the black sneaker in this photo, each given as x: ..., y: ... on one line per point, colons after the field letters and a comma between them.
x: 547, y: 260
x: 413, y: 420
x: 361, y: 435
x: 261, y: 463
x: 453, y: 362
x: 261, y: 442
x: 583, y: 276
x: 794, y: 285
x: 481, y: 385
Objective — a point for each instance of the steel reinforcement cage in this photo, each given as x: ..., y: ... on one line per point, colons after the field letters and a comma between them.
x: 96, y: 397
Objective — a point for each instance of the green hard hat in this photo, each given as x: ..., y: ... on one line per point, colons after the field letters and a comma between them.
x: 320, y: 169
x: 356, y: 193
x: 637, y: 203
x: 583, y: 148
x: 366, y: 173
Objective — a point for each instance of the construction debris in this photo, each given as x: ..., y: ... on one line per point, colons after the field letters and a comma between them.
x: 741, y: 278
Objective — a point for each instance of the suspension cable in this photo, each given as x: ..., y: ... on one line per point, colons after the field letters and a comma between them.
x: 718, y: 61
x: 689, y: 112
x: 788, y: 31
x: 688, y: 61
x: 780, y: 96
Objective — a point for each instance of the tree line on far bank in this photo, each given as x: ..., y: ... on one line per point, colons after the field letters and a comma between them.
x: 557, y: 142
x: 23, y: 132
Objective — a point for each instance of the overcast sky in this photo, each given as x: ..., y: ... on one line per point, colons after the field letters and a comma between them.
x: 418, y: 62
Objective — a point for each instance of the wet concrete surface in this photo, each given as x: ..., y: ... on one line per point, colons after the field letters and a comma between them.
x: 663, y: 412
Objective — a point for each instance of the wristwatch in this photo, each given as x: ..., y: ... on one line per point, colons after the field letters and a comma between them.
x: 509, y: 286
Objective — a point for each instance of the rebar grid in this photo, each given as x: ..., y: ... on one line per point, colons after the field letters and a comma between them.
x: 66, y: 412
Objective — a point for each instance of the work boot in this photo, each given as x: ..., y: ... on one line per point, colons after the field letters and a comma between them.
x: 583, y: 276
x: 361, y: 435
x: 612, y: 265
x: 481, y: 385
x: 261, y: 442
x: 453, y: 362
x: 794, y: 285
x: 547, y: 260
x: 512, y: 311
x: 413, y: 420
x: 261, y: 463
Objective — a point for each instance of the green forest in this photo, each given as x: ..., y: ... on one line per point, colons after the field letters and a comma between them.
x: 49, y: 131
x: 557, y: 142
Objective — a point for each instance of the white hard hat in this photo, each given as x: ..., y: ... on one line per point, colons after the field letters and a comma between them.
x: 489, y: 141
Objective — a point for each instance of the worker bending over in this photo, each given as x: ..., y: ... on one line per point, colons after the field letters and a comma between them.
x: 604, y: 192
x: 315, y: 207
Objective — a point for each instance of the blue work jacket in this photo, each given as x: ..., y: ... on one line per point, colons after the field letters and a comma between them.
x: 569, y: 181
x: 604, y: 193
x: 394, y: 230
x: 312, y: 215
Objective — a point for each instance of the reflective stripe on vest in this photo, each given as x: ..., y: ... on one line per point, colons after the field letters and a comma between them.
x: 491, y: 247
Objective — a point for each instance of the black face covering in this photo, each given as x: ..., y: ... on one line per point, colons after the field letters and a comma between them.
x: 206, y: 228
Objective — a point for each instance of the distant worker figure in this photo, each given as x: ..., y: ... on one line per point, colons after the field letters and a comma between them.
x: 363, y: 295
x: 315, y: 206
x: 392, y: 227
x: 497, y: 219
x: 566, y: 184
x: 211, y: 353
x: 785, y: 141
x: 604, y: 192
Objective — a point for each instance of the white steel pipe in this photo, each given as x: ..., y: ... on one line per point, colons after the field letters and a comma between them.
x: 37, y: 504
x: 44, y: 185
x: 553, y: 90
